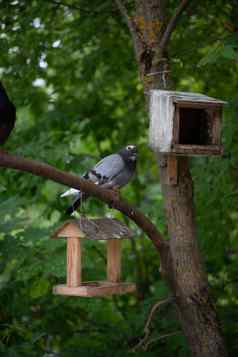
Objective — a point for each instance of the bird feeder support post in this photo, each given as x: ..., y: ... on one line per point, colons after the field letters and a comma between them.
x: 114, y: 260
x: 172, y: 170
x: 73, y: 262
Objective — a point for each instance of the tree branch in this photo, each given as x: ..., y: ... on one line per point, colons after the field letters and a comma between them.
x: 172, y: 24
x: 144, y: 342
x: 130, y: 24
x: 110, y: 197
x: 156, y: 339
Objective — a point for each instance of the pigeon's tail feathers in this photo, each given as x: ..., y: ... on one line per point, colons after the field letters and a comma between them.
x: 73, y: 207
x: 76, y: 203
x: 70, y: 192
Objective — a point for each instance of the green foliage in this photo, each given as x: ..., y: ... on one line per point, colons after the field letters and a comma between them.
x: 73, y: 77
x: 222, y: 51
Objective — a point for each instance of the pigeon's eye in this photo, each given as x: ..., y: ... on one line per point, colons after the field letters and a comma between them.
x: 130, y: 147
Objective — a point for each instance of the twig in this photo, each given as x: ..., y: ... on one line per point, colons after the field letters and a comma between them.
x: 172, y: 23
x: 47, y: 171
x: 155, y: 339
x: 146, y: 330
x: 156, y: 306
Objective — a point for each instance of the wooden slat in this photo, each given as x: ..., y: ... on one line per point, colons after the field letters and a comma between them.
x: 216, y: 126
x: 198, y: 105
x: 73, y: 262
x: 67, y: 230
x: 176, y: 126
x: 113, y: 260
x: 197, y: 149
x: 172, y: 170
x: 90, y: 289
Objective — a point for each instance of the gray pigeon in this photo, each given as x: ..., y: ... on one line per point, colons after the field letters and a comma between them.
x: 112, y: 172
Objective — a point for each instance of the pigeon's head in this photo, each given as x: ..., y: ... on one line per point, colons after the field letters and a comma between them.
x: 129, y: 153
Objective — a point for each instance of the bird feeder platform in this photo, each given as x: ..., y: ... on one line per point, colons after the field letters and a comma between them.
x: 111, y: 230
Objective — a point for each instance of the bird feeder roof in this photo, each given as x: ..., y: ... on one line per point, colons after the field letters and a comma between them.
x: 177, y: 97
x: 93, y: 229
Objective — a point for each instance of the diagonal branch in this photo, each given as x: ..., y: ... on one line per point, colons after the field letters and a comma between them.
x: 124, y: 13
x: 172, y: 24
x: 129, y: 22
x: 110, y: 197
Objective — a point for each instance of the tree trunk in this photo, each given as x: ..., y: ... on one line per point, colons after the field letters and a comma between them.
x: 183, y: 270
x: 187, y: 279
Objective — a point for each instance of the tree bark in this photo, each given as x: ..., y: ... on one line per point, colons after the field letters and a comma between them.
x: 183, y: 270
x: 187, y: 278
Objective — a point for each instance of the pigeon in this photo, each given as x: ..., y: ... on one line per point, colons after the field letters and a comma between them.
x: 112, y: 172
x: 7, y: 115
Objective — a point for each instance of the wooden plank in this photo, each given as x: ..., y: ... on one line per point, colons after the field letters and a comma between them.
x: 176, y: 125
x: 216, y: 126
x: 113, y: 260
x: 90, y: 289
x: 172, y: 170
x: 179, y: 149
x: 73, y: 262
x: 197, y: 105
x: 68, y: 229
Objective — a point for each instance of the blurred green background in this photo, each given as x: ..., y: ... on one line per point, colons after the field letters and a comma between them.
x: 71, y: 72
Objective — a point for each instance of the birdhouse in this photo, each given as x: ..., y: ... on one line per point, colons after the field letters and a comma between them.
x: 110, y: 230
x: 185, y: 123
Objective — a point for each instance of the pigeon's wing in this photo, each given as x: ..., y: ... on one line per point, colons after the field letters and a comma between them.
x: 73, y: 191
x: 109, y: 172
x: 106, y: 169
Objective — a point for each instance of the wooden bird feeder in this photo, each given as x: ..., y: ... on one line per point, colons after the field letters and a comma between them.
x: 185, y: 123
x: 111, y: 230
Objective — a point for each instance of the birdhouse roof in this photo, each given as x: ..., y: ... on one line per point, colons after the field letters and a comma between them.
x: 186, y: 96
x: 93, y: 229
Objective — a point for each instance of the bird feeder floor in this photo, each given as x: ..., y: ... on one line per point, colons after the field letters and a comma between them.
x: 95, y: 288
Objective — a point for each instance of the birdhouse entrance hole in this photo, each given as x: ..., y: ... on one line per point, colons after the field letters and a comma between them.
x: 197, y: 128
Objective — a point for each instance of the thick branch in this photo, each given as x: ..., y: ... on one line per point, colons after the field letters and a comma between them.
x: 40, y: 169
x: 172, y: 24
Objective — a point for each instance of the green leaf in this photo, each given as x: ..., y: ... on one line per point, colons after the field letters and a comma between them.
x: 230, y: 53
x: 212, y: 56
x: 39, y: 288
